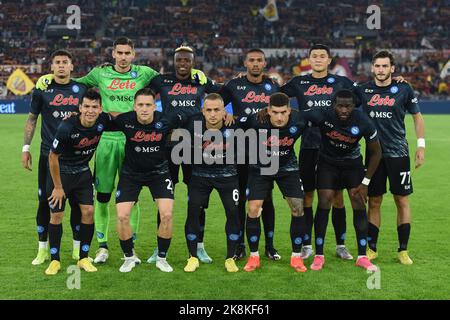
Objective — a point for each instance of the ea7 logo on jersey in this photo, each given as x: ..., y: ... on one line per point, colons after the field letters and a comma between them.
x: 241, y: 87
x: 328, y: 124
x: 368, y: 91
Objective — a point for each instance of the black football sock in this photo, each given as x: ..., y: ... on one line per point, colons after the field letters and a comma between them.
x: 55, y: 232
x: 309, y: 221
x: 253, y: 233
x: 360, y: 224
x: 127, y: 247
x: 86, y: 234
x: 372, y: 236
x: 403, y: 231
x: 202, y: 217
x: 339, y: 224
x: 320, y: 228
x: 42, y: 220
x: 268, y: 218
x: 297, y: 231
x: 163, y: 247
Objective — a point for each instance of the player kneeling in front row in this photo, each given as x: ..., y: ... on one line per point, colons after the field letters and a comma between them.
x: 212, y: 172
x: 278, y: 145
x: 340, y: 166
x: 70, y: 177
x: 145, y: 164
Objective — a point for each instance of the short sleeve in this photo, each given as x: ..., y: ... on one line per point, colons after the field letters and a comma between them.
x: 370, y: 132
x: 213, y: 87
x: 290, y: 88
x: 91, y: 79
x: 36, y: 102
x: 61, y: 138
x: 412, y: 103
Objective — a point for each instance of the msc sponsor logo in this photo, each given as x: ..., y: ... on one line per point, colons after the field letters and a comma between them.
x: 147, y: 149
x: 183, y: 103
x: 380, y: 114
x: 121, y: 98
x: 318, y: 103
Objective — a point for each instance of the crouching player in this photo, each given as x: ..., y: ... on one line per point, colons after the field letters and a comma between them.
x: 340, y: 166
x: 70, y: 177
x: 213, y: 171
x: 145, y: 165
x: 279, y: 146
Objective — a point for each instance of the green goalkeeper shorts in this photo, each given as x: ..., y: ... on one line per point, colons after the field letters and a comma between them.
x: 108, y: 160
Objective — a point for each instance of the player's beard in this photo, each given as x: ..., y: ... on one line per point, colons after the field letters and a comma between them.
x: 383, y: 78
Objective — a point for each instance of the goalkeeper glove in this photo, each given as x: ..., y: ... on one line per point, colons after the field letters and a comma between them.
x: 44, y: 81
x: 198, y: 76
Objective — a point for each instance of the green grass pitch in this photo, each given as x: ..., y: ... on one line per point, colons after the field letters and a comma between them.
x: 428, y: 278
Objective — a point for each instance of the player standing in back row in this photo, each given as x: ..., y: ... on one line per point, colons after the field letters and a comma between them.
x: 248, y: 95
x: 312, y: 91
x: 53, y: 104
x: 386, y: 102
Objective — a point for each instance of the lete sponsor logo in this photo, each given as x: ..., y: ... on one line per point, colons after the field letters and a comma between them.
x: 377, y: 100
x: 315, y: 90
x: 178, y: 88
x: 142, y: 136
x: 61, y: 100
x: 253, y: 97
x: 118, y: 84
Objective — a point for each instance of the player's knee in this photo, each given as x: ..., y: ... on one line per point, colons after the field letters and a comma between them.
x: 338, y: 200
x: 56, y: 218
x: 401, y: 201
x: 103, y: 197
x: 375, y: 202
x: 296, y: 205
x: 88, y: 214
x: 309, y: 198
x: 254, y: 210
x: 123, y: 217
x: 166, y: 216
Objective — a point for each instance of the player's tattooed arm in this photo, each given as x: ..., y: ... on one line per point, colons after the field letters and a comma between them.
x: 296, y: 205
x: 30, y: 127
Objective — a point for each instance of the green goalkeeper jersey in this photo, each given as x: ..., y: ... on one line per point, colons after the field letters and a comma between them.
x: 118, y: 89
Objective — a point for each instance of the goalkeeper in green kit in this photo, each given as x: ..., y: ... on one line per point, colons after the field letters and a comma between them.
x: 117, y: 85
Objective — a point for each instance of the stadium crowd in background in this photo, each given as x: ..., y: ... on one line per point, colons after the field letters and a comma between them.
x: 405, y: 24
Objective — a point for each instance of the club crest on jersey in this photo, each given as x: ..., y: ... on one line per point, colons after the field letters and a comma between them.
x: 75, y: 88
x: 133, y: 74
x: 158, y: 125
x: 267, y: 86
x: 331, y: 80
x: 354, y: 130
x: 293, y: 129
x: 394, y: 89
x: 100, y: 128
